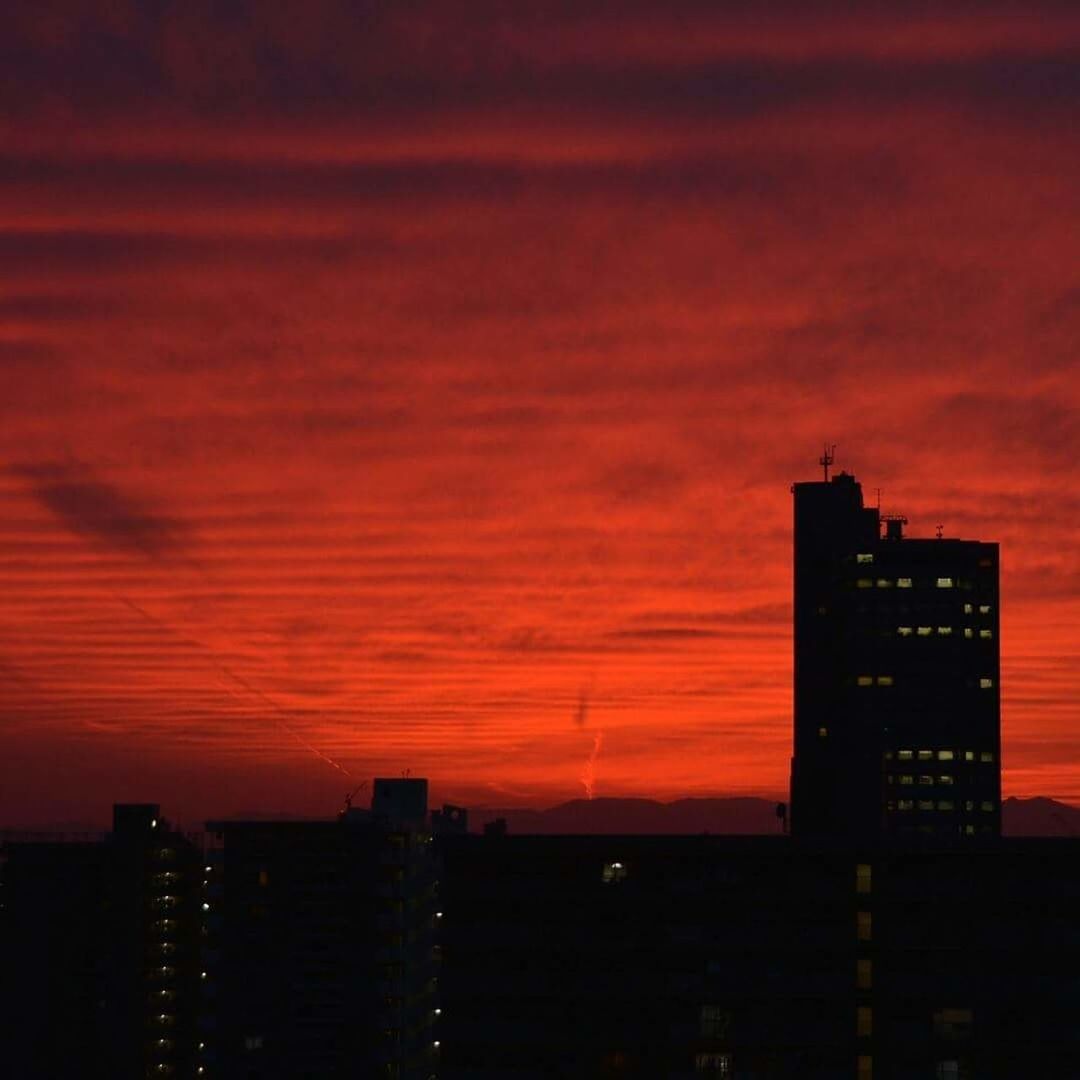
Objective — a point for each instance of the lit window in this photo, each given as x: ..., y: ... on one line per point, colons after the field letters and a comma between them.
x: 968, y: 632
x: 986, y: 807
x: 864, y: 973
x: 904, y: 755
x: 905, y: 631
x: 264, y: 878
x: 944, y: 755
x: 944, y: 582
x: 969, y: 755
x: 613, y: 873
x: 926, y: 804
x: 865, y: 680
x: 865, y: 583
x: 905, y: 804
x: 986, y: 633
x: 903, y: 583
x: 924, y: 631
x: 822, y: 732
x: 884, y: 680
x: 944, y: 631
x: 985, y: 683
x: 926, y: 780
x: 864, y: 1021
x: 864, y: 558
x: 945, y: 779
x: 969, y: 805
x: 986, y: 755
x: 953, y: 1023
x: 947, y: 1070
x: 716, y: 1064
x: 946, y: 804
x: 863, y: 877
x: 968, y: 609
x: 926, y: 755
x: 884, y: 583
x: 907, y: 778
x: 984, y: 609
x: 863, y: 926
x: 969, y: 830
x: 864, y: 1067
x: 888, y: 755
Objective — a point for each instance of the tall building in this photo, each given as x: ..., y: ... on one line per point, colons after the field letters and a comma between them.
x: 100, y: 943
x: 897, y: 700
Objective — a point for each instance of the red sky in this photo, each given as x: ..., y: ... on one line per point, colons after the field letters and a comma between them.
x: 420, y: 385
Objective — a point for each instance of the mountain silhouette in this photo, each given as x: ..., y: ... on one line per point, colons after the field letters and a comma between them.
x: 731, y: 816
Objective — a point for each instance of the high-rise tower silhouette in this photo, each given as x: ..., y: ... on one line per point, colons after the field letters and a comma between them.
x: 897, y: 698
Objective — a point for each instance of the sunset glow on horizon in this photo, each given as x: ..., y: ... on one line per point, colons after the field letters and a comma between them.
x: 420, y: 385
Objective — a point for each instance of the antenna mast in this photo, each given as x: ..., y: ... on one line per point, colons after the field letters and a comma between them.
x: 827, y: 459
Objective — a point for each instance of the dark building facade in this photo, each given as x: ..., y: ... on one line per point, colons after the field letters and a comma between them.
x: 897, y: 675
x: 101, y: 945
x: 323, y: 938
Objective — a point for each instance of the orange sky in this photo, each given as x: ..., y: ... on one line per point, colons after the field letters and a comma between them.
x: 419, y: 385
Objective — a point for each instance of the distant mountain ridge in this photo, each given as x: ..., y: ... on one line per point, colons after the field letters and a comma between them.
x: 729, y: 816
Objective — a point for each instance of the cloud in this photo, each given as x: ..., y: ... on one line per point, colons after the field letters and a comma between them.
x: 93, y: 508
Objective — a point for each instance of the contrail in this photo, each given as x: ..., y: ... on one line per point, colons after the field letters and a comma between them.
x: 278, y: 709
x: 588, y: 773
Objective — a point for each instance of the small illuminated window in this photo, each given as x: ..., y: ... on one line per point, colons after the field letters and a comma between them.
x: 926, y: 780
x: 986, y: 755
x: 968, y: 609
x: 613, y: 873
x: 985, y: 683
x: 865, y: 680
x: 864, y: 558
x: 863, y: 926
x: 822, y: 732
x: 904, y: 755
x: 864, y: 974
x: 865, y: 583
x: 864, y: 878
x: 953, y: 1023
x: 984, y: 609
x: 924, y: 631
x: 884, y: 583
x: 969, y: 805
x: 969, y: 755
x: 905, y: 804
x: 946, y: 804
x: 907, y: 778
x: 944, y: 755
x: 926, y: 755
x: 944, y: 583
x: 884, y: 680
x: 888, y: 755
x: 903, y: 583
x: 968, y: 632
x: 969, y: 830
x: 946, y: 779
x: 264, y: 878
x: 944, y: 631
x: 986, y: 633
x: 864, y: 1021
x: 864, y: 1067
x: 986, y: 807
x: 905, y: 631
x: 714, y: 1063
x: 926, y: 804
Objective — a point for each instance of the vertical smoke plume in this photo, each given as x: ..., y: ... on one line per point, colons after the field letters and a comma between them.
x: 588, y: 773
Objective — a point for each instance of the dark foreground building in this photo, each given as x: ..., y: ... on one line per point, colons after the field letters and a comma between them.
x: 897, y: 673
x: 100, y: 947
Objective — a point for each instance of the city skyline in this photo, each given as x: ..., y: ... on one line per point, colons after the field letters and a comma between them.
x: 424, y: 390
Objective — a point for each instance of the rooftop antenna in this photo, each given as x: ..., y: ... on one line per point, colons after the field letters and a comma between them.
x: 827, y: 459
x: 940, y: 530
x: 878, y: 490
x: 352, y: 794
